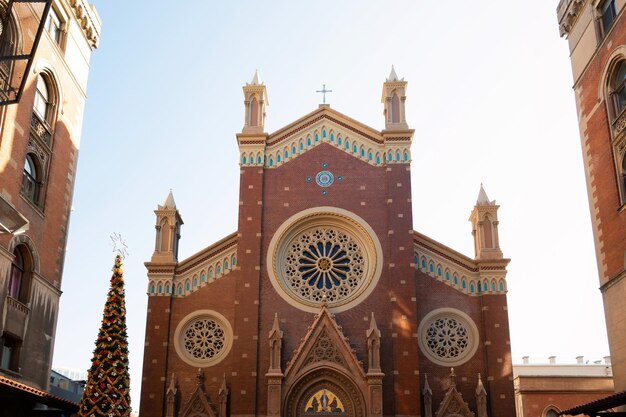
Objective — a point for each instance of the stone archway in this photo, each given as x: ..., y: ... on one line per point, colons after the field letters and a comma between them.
x: 343, y: 397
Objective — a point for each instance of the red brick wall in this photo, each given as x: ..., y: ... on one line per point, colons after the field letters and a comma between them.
x: 379, y: 195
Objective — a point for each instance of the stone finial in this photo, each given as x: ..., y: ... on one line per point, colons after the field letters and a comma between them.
x: 199, y: 377
x: 169, y: 203
x: 255, y: 78
x: 452, y: 378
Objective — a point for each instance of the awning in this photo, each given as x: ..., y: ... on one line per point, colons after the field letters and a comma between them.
x: 19, y: 390
x: 599, y: 407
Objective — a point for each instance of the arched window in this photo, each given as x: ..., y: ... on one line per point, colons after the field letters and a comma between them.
x: 219, y: 268
x: 377, y: 159
x: 210, y: 272
x: 43, y: 99
x: 233, y: 261
x: 152, y: 288
x: 395, y: 109
x: 317, y: 138
x: 301, y: 146
x: 258, y: 159
x: 308, y: 141
x: 323, y: 133
x: 463, y: 284
x: 439, y: 271
x: 167, y: 288
x: 271, y: 162
x: 187, y: 286
x: 244, y: 160
x: 180, y: 289
x: 354, y: 148
x: 369, y: 155
x: 160, y: 288
x: 202, y: 277
x: 455, y: 279
x: 501, y: 285
x: 406, y: 156
x: 347, y: 144
x: 618, y: 89
x: 362, y: 152
x: 21, y: 274
x: 332, y: 137
x: 397, y: 155
x: 431, y: 268
x: 278, y: 157
x: 338, y: 140
x: 493, y: 286
x: 447, y: 276
x: 487, y: 233
x: 293, y: 150
x: 32, y: 179
x: 423, y: 263
x: 550, y: 411
x: 225, y: 265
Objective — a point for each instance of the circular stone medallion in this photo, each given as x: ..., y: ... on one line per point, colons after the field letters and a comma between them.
x: 324, y: 178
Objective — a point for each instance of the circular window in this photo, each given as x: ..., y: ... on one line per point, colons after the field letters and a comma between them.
x: 324, y: 255
x: 203, y: 338
x: 448, y: 337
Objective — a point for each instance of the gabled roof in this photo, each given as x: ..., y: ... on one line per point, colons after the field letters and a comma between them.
x: 325, y: 112
x: 594, y: 408
x: 324, y: 327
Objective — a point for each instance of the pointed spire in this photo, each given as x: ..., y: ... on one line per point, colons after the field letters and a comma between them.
x: 480, y: 388
x: 482, y: 197
x: 255, y: 78
x: 172, y: 387
x: 426, y: 389
x: 169, y: 201
x: 452, y: 378
x: 275, y: 327
x: 224, y: 388
x: 373, y: 325
x: 393, y: 76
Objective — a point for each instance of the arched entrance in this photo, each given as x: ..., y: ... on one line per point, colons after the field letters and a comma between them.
x: 325, y: 392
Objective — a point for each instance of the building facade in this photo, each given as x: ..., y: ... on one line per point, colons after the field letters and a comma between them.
x: 39, y: 140
x: 596, y: 34
x: 326, y: 301
x: 546, y: 389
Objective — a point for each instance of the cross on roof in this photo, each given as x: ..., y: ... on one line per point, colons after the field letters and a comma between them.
x: 324, y: 91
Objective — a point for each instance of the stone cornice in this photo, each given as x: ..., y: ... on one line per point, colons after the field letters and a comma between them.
x: 567, y: 13
x: 207, y: 253
x: 445, y: 252
x: 88, y: 20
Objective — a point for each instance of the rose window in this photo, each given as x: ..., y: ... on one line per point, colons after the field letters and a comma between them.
x: 448, y: 337
x: 203, y: 338
x: 324, y: 264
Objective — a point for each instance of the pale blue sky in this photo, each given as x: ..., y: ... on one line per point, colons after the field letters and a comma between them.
x: 489, y: 97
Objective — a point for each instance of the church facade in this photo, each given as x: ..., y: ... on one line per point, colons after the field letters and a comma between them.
x: 325, y: 300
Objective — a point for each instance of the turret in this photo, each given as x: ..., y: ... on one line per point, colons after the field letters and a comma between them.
x: 394, y: 97
x: 168, y: 223
x: 484, y: 220
x: 255, y: 100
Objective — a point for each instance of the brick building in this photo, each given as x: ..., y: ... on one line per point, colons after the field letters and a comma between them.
x: 596, y: 34
x: 39, y: 140
x: 325, y: 301
x: 546, y: 389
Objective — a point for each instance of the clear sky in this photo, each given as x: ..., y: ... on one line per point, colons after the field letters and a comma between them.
x: 489, y: 97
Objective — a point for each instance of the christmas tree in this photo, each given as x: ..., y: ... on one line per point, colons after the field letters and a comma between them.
x: 107, y: 391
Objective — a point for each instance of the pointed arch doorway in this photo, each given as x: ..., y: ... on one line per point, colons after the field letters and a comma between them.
x: 325, y: 392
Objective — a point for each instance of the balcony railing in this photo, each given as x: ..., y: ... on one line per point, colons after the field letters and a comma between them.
x: 16, y: 318
x: 619, y: 124
x: 40, y: 129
